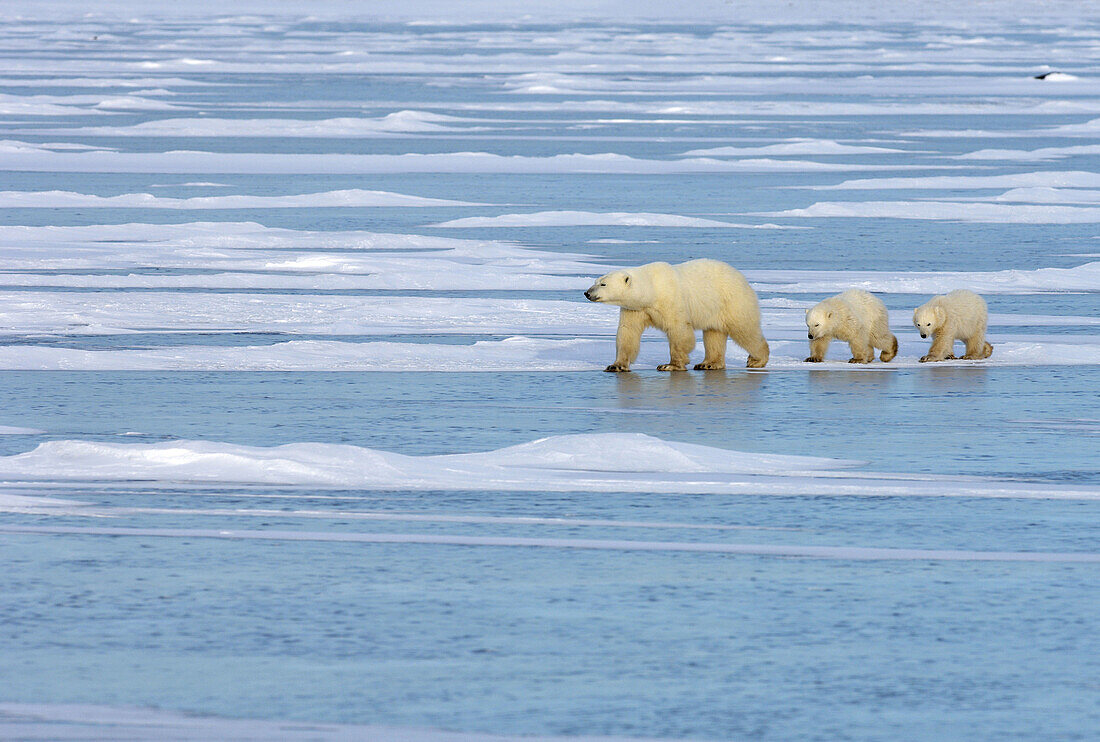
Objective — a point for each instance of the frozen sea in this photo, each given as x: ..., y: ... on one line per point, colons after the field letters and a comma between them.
x: 304, y: 432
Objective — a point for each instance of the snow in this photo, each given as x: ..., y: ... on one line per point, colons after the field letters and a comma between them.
x: 15, y: 430
x: 350, y: 198
x: 793, y: 147
x: 330, y: 474
x: 448, y: 162
x: 523, y: 354
x: 398, y: 122
x: 588, y: 218
x: 1042, y: 178
x: 607, y: 462
x: 989, y: 213
x: 1080, y: 278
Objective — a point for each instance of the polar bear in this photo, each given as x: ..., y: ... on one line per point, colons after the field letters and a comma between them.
x: 959, y: 315
x: 857, y: 318
x: 705, y: 295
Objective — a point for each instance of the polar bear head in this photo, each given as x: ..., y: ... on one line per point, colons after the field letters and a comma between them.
x: 929, y: 318
x: 819, y: 321
x: 621, y: 288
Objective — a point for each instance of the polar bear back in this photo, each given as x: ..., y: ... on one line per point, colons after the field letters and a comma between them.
x: 853, y: 315
x: 866, y: 308
x: 716, y: 294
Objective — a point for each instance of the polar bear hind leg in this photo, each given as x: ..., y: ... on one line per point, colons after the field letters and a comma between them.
x: 889, y: 350
x: 861, y: 353
x: 714, y: 343
x: 977, y: 348
x: 752, y: 340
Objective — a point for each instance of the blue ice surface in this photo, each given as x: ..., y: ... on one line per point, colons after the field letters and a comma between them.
x: 560, y: 641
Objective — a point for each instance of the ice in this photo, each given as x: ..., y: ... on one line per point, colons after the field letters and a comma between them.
x: 11, y: 503
x: 398, y: 122
x: 350, y: 198
x: 1043, y: 179
x: 843, y: 553
x: 589, y: 218
x: 513, y: 354
x: 1049, y: 196
x: 335, y: 474
x: 602, y: 462
x: 14, y: 430
x: 246, y: 255
x: 448, y: 162
x: 1044, y: 153
x: 990, y: 213
x: 41, y: 721
x: 100, y: 82
x: 1084, y: 277
x: 793, y: 147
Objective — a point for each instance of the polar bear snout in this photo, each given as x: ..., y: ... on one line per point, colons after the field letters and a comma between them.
x: 923, y: 335
x: 810, y: 335
x: 588, y: 295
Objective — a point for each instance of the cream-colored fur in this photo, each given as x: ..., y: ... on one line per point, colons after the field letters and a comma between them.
x: 959, y: 315
x: 857, y: 318
x: 705, y: 295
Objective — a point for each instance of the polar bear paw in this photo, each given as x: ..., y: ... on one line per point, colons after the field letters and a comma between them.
x: 617, y: 368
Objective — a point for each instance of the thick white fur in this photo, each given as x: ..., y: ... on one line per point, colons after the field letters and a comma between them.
x: 959, y: 315
x: 705, y: 295
x: 857, y: 318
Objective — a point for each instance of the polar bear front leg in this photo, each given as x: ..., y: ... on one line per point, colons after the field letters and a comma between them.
x: 681, y: 341
x: 714, y: 343
x: 941, y: 350
x: 628, y: 339
x: 818, y: 348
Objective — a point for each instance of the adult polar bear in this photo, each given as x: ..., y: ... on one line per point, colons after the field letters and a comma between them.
x: 705, y: 295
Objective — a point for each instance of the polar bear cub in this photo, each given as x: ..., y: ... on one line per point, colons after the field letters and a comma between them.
x: 857, y: 318
x: 959, y: 315
x: 705, y: 295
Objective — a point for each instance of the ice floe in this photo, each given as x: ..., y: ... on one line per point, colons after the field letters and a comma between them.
x: 598, y: 462
x: 1084, y: 277
x: 1045, y: 179
x: 589, y: 218
x: 398, y: 122
x: 967, y: 211
x: 794, y: 147
x: 520, y: 354
x: 445, y: 162
x: 348, y: 198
